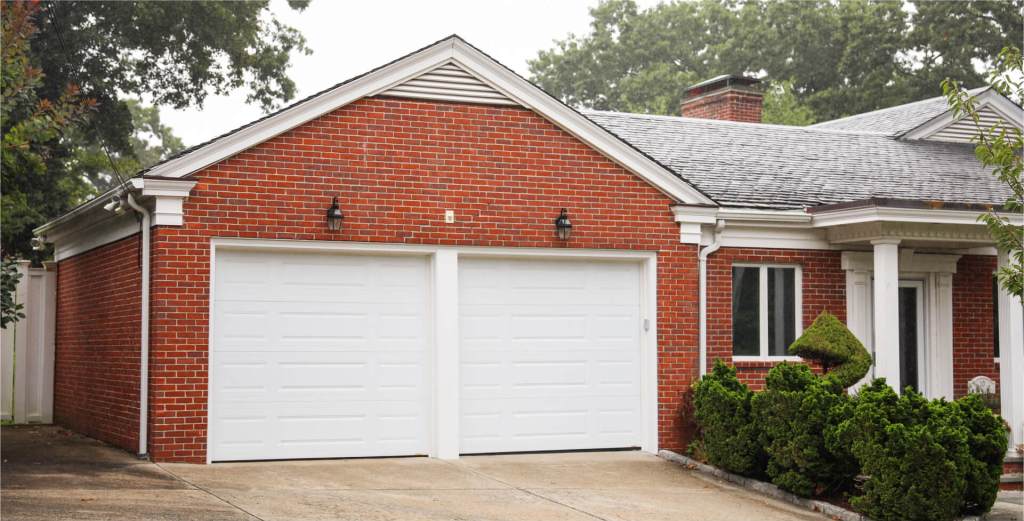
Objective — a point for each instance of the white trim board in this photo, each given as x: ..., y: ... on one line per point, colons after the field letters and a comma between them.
x: 444, y: 441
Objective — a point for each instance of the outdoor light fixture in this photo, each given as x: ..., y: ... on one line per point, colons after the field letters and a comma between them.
x: 563, y: 226
x: 334, y: 216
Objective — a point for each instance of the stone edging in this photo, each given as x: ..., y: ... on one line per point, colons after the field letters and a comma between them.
x: 833, y: 511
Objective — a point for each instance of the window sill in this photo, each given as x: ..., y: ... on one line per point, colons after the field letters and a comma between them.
x: 767, y: 359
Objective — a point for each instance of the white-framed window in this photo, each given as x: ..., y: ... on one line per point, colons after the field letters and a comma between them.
x: 766, y: 310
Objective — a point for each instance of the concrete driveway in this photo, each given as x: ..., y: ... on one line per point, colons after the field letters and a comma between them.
x: 51, y: 474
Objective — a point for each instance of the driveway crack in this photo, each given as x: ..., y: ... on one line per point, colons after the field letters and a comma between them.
x: 209, y: 492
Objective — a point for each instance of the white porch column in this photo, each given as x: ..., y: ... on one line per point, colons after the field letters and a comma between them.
x: 886, y: 312
x: 1011, y: 360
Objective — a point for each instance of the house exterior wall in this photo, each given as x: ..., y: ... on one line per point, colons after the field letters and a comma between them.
x: 96, y: 367
x: 397, y: 165
x: 973, y: 314
x: 823, y: 289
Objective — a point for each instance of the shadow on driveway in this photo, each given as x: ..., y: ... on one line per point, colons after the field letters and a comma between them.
x: 52, y: 474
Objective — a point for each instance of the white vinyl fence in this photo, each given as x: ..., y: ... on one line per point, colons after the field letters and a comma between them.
x: 26, y: 358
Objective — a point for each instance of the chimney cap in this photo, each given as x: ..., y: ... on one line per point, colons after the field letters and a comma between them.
x: 720, y: 82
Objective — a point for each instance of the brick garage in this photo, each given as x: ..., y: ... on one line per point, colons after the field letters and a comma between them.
x: 96, y: 373
x: 505, y: 157
x: 398, y: 164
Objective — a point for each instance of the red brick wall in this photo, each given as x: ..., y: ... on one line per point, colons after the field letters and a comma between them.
x: 730, y: 105
x: 397, y: 165
x: 96, y: 373
x: 824, y: 289
x: 973, y: 342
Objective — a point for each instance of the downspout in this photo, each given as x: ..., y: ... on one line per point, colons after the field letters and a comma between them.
x: 144, y: 333
x: 702, y: 262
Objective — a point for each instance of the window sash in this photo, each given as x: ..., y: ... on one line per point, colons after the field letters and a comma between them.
x: 763, y: 353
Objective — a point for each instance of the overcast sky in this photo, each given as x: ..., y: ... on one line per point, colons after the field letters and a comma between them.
x: 350, y: 37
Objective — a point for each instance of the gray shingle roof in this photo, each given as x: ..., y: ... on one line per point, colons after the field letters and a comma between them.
x: 894, y: 121
x: 775, y: 166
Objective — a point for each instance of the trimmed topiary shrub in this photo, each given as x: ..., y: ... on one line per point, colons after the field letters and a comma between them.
x: 796, y: 414
x: 828, y: 340
x: 986, y: 438
x: 729, y: 437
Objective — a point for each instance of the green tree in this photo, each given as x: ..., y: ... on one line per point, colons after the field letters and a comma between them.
x: 781, y: 106
x: 33, y: 127
x: 841, y: 57
x: 174, y: 53
x: 151, y: 142
x: 999, y: 147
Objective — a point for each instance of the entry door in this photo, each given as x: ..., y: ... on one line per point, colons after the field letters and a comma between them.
x: 550, y: 355
x: 319, y: 355
x: 911, y: 319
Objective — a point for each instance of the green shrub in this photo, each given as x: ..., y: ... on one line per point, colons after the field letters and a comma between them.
x: 913, y: 452
x: 829, y: 341
x: 730, y: 440
x: 987, y: 442
x: 796, y: 413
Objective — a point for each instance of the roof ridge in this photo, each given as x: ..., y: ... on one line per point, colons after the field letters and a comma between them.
x: 808, y: 128
x: 973, y: 92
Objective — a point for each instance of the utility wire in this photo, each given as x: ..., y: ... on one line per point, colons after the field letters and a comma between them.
x: 49, y: 10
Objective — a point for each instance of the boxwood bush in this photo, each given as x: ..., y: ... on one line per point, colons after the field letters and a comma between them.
x: 722, y: 407
x: 797, y: 413
x: 923, y: 460
x: 902, y: 457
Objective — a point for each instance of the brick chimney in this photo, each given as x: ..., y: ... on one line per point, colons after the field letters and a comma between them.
x: 728, y: 97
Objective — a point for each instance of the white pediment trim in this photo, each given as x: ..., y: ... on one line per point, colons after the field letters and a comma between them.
x: 992, y: 107
x: 452, y: 50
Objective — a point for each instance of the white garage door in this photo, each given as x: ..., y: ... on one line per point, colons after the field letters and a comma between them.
x: 318, y: 355
x: 550, y: 355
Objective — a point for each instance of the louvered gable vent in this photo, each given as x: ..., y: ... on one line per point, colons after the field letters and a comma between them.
x: 963, y: 130
x: 449, y: 82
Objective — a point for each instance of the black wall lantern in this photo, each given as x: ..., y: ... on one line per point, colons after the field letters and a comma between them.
x: 334, y: 216
x: 563, y: 226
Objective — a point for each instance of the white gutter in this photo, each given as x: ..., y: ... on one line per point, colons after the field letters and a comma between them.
x: 702, y: 261
x: 144, y: 333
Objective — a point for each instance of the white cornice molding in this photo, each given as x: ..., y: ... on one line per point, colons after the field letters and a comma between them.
x: 872, y: 231
x: 875, y: 214
x: 168, y: 196
x: 694, y: 222
x: 909, y: 262
x: 94, y: 226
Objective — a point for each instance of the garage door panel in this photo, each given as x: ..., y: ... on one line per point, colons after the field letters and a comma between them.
x: 313, y: 431
x: 557, y: 423
x: 317, y: 377
x: 319, y: 355
x: 272, y: 326
x: 549, y: 355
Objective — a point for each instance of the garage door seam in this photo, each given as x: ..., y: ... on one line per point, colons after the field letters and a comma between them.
x: 526, y: 491
x: 208, y: 491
